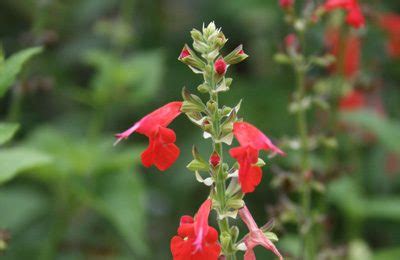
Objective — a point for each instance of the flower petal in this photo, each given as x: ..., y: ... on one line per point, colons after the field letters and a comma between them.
x: 149, y: 124
x: 161, y: 152
x: 201, y: 223
x: 247, y: 134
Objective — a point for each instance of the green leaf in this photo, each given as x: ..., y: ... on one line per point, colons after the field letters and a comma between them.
x: 13, y: 65
x: 122, y: 203
x: 7, y: 131
x: 388, y: 253
x: 383, y: 208
x: 16, y: 160
x: 388, y: 132
x: 19, y: 206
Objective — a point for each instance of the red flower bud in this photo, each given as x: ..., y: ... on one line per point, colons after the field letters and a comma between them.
x: 220, y: 66
x: 184, y: 53
x: 291, y: 41
x: 241, y: 52
x: 285, y: 4
x: 214, y: 159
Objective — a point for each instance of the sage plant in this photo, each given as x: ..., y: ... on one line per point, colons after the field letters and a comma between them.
x: 219, y: 124
x: 301, y: 18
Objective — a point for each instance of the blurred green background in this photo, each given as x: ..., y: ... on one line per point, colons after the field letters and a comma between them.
x: 67, y: 193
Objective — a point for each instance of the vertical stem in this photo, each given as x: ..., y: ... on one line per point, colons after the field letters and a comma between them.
x: 305, y: 224
x: 302, y: 128
x: 219, y: 175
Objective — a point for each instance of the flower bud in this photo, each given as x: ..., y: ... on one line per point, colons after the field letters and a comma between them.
x: 236, y: 56
x: 184, y: 53
x: 220, y: 67
x: 214, y: 159
x: 221, y: 40
x: 292, y: 43
x: 188, y: 57
x: 196, y: 35
x: 286, y: 4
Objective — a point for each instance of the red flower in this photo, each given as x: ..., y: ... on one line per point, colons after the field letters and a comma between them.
x: 251, y: 141
x: 255, y: 237
x: 184, y: 53
x: 285, y: 4
x: 351, y: 52
x: 333, y: 4
x: 162, y: 152
x: 220, y: 66
x: 354, y: 17
x: 196, y: 240
x: 391, y: 24
x: 352, y: 101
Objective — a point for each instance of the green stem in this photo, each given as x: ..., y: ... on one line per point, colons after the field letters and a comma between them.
x: 219, y: 175
x: 305, y: 224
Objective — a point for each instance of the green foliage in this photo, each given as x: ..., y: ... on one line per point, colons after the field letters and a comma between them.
x: 20, y: 206
x: 7, y: 131
x: 387, y: 131
x: 10, y: 68
x: 16, y: 160
x: 127, y: 78
x: 97, y: 176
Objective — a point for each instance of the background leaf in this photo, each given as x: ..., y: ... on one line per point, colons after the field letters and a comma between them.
x: 16, y: 160
x: 388, y: 132
x: 13, y: 65
x: 7, y: 131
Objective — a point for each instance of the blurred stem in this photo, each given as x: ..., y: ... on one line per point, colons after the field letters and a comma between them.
x: 61, y: 218
x: 305, y: 224
x: 15, y: 106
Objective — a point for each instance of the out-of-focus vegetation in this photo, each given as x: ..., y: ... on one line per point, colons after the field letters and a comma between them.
x: 67, y: 193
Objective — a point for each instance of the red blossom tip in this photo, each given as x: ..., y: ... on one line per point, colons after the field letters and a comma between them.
x: 214, y: 159
x: 220, y: 66
x: 291, y: 41
x: 285, y: 4
x: 184, y: 53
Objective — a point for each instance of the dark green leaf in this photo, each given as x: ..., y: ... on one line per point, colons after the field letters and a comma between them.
x: 13, y: 65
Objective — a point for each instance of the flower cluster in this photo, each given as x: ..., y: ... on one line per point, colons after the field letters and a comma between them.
x: 354, y: 16
x: 195, y: 238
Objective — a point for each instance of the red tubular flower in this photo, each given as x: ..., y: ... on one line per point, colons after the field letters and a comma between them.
x: 351, y: 55
x: 285, y: 4
x: 354, y: 17
x: 334, y: 4
x: 196, y: 240
x: 161, y: 152
x: 220, y: 66
x: 251, y: 141
x: 391, y: 24
x: 353, y: 101
x: 255, y: 237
